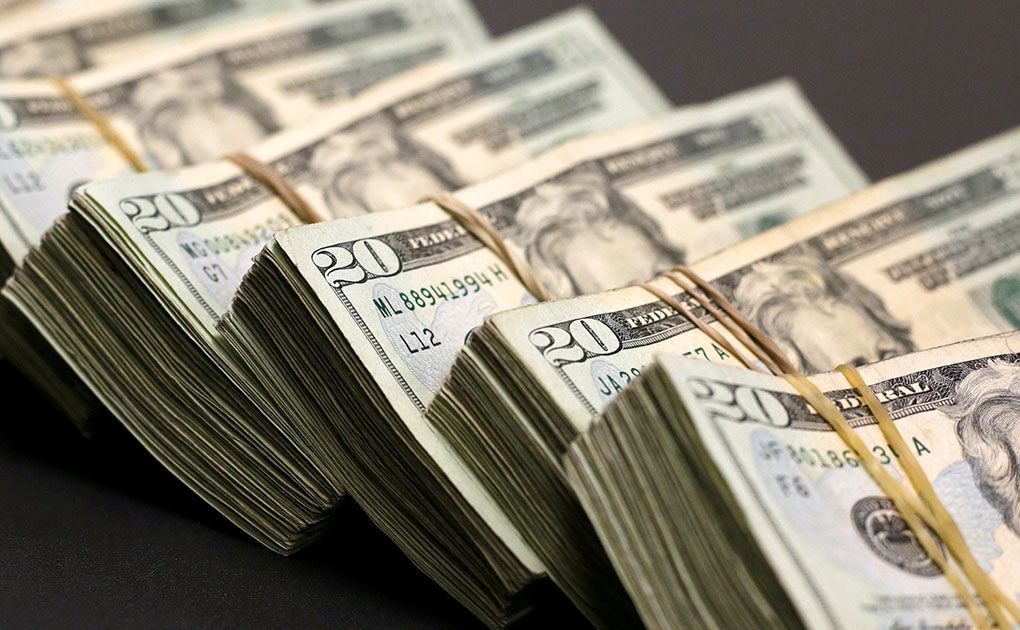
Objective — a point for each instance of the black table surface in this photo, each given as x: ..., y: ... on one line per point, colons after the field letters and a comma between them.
x: 99, y: 535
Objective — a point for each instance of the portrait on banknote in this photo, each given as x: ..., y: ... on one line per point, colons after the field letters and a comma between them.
x: 819, y: 316
x: 568, y: 220
x: 197, y: 112
x: 373, y: 166
x: 987, y: 415
x: 53, y: 56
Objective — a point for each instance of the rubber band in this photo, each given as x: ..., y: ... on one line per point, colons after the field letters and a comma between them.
x: 482, y: 229
x: 763, y: 340
x: 713, y: 334
x: 271, y: 179
x: 732, y: 327
x: 101, y: 123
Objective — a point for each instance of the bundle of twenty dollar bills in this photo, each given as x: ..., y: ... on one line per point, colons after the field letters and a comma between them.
x: 724, y: 499
x: 387, y: 354
x: 207, y: 95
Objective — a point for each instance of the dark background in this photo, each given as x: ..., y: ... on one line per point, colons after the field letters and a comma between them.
x: 98, y: 535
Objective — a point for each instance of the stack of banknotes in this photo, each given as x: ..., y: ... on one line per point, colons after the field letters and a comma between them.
x: 366, y: 345
x: 723, y: 499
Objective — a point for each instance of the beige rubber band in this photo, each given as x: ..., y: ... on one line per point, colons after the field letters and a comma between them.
x: 732, y: 327
x: 482, y: 229
x: 101, y: 123
x: 689, y: 287
x: 271, y: 179
x: 712, y: 334
x: 763, y: 340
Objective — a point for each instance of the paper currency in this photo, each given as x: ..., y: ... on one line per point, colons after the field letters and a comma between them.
x: 27, y: 9
x: 916, y: 261
x: 143, y: 335
x: 725, y: 500
x: 214, y: 95
x: 386, y: 300
x: 8, y: 7
x: 221, y: 93
x: 48, y: 42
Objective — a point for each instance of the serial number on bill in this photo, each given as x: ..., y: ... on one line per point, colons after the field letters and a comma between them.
x: 454, y: 288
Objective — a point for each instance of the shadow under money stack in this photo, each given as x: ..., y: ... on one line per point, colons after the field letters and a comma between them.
x: 375, y: 308
x: 841, y: 284
x: 725, y: 499
x: 130, y: 286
